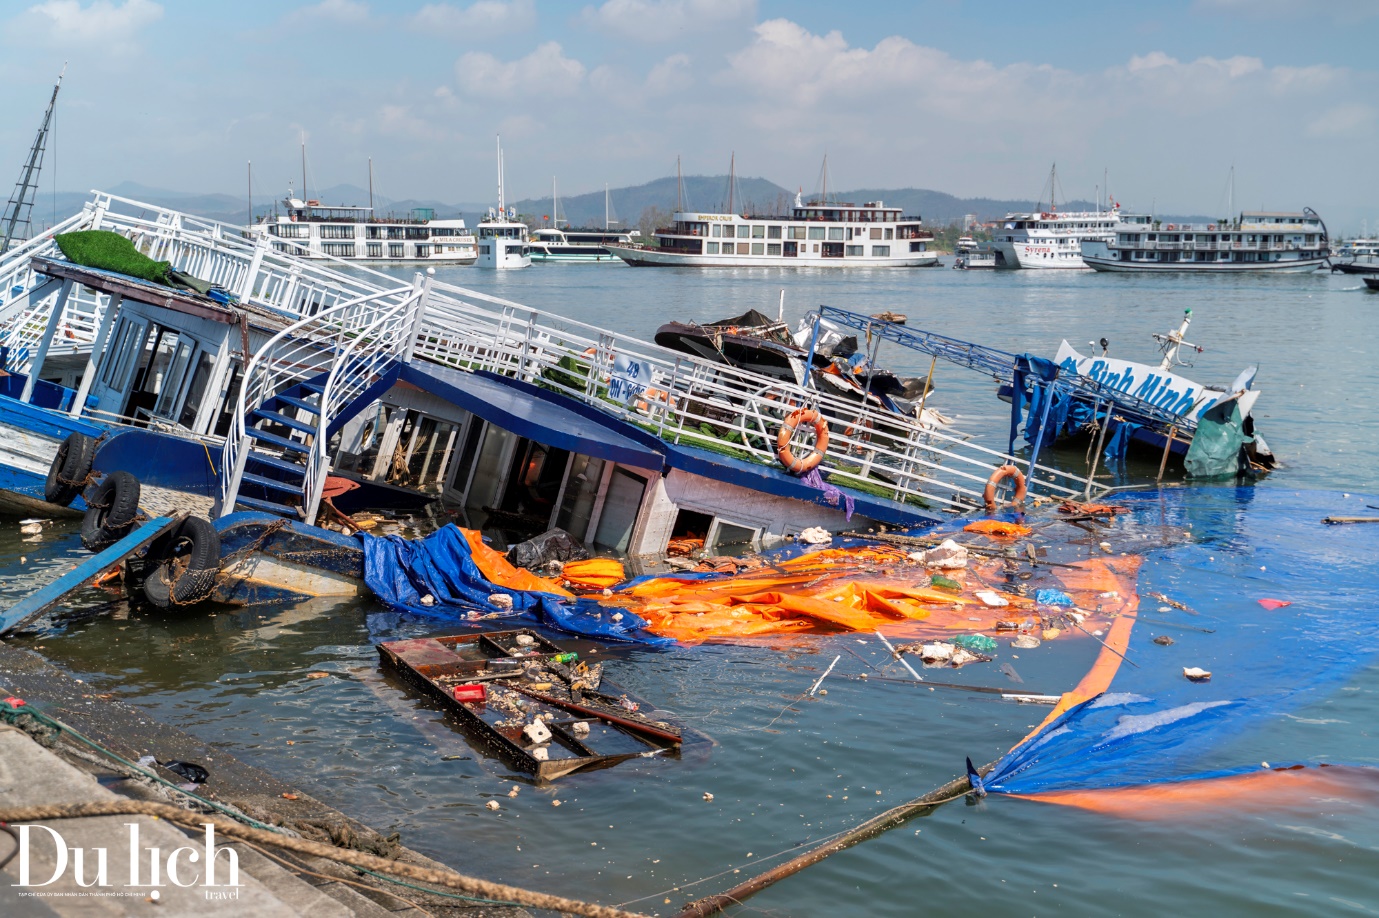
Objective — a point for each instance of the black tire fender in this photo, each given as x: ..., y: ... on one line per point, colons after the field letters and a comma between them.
x: 112, y: 506
x: 183, y: 564
x: 71, y: 466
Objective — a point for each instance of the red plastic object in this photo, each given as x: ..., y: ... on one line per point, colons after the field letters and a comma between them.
x: 475, y: 691
x: 1272, y: 604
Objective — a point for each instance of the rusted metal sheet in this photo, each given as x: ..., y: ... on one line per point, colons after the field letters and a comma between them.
x: 526, y: 677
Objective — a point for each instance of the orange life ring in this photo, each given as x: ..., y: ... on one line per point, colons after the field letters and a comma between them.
x: 787, y: 430
x: 1002, y: 473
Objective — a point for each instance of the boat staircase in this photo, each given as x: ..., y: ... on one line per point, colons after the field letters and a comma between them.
x: 301, y: 388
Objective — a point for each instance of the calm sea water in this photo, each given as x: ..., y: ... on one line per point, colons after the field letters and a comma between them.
x: 642, y: 833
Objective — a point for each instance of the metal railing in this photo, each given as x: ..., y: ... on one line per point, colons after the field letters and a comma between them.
x: 352, y: 344
x: 712, y: 406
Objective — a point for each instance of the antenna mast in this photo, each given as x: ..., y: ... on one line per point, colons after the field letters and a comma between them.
x: 22, y: 201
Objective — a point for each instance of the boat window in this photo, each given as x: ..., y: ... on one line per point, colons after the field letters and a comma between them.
x: 758, y: 248
x: 581, y: 490
x: 854, y: 250
x: 728, y: 231
x: 773, y: 232
x: 375, y: 249
x: 423, y: 251
x: 797, y: 232
x: 726, y: 533
x: 120, y: 358
x: 773, y: 248
x: 171, y: 383
x: 713, y: 248
x: 329, y: 231
x: 227, y: 406
x: 717, y: 232
x: 890, y: 233
x: 816, y: 232
x: 875, y: 232
x: 483, y: 492
x: 196, y: 390
x: 835, y: 234
x: 881, y: 251
x: 758, y: 232
x: 620, y: 505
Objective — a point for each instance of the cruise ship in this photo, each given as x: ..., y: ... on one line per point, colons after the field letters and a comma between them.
x: 578, y: 246
x: 815, y: 235
x: 1255, y: 241
x: 1050, y: 239
x: 311, y: 229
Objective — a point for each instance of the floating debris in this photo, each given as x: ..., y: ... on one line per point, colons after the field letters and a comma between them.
x: 1196, y: 674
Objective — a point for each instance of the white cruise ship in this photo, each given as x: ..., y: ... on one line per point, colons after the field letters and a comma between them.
x: 1255, y: 241
x: 311, y: 229
x: 815, y: 235
x: 1050, y: 239
x: 577, y: 246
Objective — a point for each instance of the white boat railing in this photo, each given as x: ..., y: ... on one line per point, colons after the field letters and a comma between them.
x: 713, y: 406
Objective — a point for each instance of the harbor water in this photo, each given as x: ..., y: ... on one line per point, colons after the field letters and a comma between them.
x: 298, y: 691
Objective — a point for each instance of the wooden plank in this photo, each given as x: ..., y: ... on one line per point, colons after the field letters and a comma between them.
x: 37, y: 602
x: 1334, y: 520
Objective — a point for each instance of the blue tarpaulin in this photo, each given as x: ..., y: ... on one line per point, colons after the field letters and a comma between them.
x: 1151, y: 725
x: 400, y: 572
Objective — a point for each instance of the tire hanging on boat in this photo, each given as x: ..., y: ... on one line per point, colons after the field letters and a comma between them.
x: 111, y: 508
x: 1002, y: 473
x: 71, y: 466
x: 787, y: 430
x: 183, y: 564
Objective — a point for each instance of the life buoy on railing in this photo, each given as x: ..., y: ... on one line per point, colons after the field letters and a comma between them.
x: 787, y: 430
x: 1002, y: 473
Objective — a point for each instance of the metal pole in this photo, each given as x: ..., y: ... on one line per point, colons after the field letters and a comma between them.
x: 88, y: 375
x: 1096, y: 459
x: 54, y: 319
x: 813, y: 344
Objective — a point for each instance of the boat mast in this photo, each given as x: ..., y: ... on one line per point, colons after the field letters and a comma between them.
x: 679, y: 187
x: 250, y: 169
x: 502, y: 210
x: 304, y: 191
x: 370, y: 187
x: 555, y: 212
x: 607, y: 223
x: 22, y: 201
x: 732, y: 179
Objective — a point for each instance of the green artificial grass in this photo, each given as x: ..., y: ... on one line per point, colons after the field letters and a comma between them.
x: 111, y: 252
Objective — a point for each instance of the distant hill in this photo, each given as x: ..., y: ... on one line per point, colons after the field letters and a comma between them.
x: 707, y: 193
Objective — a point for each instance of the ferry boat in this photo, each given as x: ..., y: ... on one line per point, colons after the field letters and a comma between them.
x: 503, y: 241
x: 310, y: 229
x: 1255, y: 241
x: 1050, y: 239
x: 814, y: 235
x: 577, y: 246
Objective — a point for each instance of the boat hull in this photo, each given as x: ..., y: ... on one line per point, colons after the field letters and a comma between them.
x: 652, y: 258
x: 1040, y: 256
x: 1298, y: 266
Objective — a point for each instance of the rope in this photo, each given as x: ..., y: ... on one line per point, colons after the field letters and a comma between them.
x: 46, y: 729
x: 444, y: 878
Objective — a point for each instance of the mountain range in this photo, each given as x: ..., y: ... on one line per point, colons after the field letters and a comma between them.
x: 626, y: 205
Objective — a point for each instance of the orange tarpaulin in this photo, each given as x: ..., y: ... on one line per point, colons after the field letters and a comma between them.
x: 862, y: 589
x: 593, y: 574
x: 497, y: 569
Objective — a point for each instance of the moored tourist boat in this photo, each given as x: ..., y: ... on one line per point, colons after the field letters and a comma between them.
x: 814, y: 235
x: 1254, y: 241
x: 503, y: 240
x: 1049, y: 239
x: 577, y: 246
x: 310, y: 229
x: 1360, y: 256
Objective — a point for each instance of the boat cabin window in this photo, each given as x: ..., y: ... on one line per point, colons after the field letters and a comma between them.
x: 581, y: 491
x: 758, y: 232
x: 729, y: 230
x: 773, y: 232
x: 121, y: 357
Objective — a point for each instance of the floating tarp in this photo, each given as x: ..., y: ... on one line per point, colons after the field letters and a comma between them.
x: 461, y: 573
x: 863, y: 588
x: 1141, y: 740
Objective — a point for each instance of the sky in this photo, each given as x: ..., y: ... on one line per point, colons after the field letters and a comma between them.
x: 973, y: 99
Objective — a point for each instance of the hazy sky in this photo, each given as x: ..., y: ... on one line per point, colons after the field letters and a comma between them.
x: 968, y: 98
